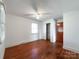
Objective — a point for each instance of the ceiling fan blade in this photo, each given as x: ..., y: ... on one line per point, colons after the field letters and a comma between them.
x: 28, y: 14
x: 46, y: 13
x: 34, y: 5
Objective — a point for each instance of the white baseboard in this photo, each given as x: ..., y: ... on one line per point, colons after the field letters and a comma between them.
x: 73, y: 50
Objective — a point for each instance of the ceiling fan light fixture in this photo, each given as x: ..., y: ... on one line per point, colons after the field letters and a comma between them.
x: 37, y: 15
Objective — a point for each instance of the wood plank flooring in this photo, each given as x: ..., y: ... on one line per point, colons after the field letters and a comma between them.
x: 40, y: 49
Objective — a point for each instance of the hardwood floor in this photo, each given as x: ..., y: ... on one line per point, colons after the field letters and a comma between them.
x: 40, y: 49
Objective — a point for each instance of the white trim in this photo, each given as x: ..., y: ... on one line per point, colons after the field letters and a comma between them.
x: 73, y: 50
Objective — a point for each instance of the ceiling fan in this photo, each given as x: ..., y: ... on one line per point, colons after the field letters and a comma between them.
x: 37, y: 14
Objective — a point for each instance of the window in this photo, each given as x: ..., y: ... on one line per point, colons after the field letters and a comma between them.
x: 34, y: 28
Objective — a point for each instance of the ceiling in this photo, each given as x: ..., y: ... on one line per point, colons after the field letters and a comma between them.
x: 54, y: 8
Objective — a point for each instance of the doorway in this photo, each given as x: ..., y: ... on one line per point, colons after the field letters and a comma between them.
x: 48, y: 31
x: 59, y: 34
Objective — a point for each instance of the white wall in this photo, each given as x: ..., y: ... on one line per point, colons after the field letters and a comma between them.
x: 71, y: 31
x: 52, y: 29
x: 40, y: 30
x: 18, y: 30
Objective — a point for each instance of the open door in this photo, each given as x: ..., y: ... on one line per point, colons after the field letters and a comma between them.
x: 59, y: 40
x: 48, y: 31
